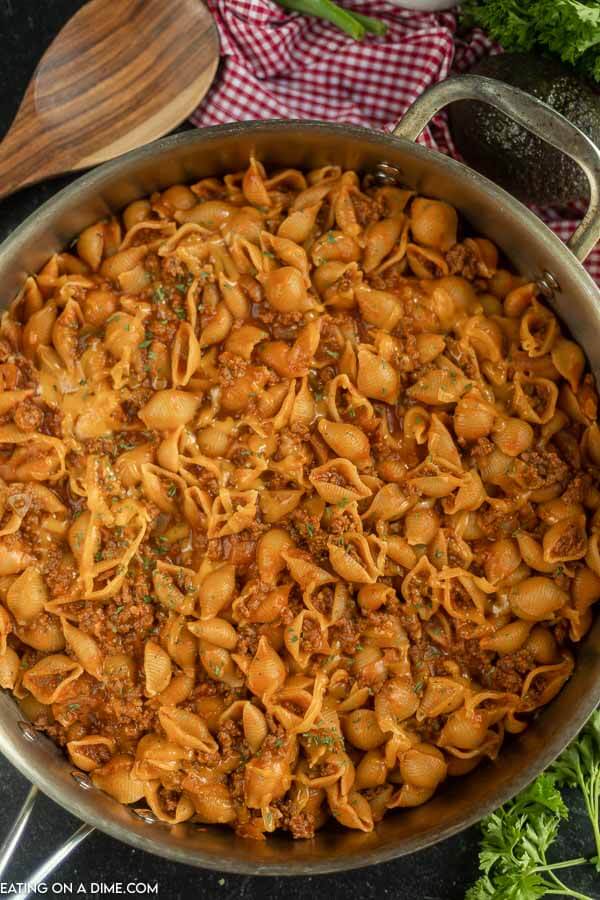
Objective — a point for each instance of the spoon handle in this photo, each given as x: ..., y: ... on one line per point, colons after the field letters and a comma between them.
x: 25, y: 157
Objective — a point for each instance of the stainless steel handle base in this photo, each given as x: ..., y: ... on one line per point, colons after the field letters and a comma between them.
x: 18, y: 827
x: 49, y: 865
x: 532, y: 114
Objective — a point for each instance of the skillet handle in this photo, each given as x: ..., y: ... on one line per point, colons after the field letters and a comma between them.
x: 12, y: 839
x: 532, y: 114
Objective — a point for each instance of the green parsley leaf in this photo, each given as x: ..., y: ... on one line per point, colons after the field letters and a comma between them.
x: 517, y: 838
x: 579, y: 766
x: 568, y: 28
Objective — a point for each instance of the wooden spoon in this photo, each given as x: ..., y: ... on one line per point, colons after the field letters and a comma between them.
x: 118, y: 75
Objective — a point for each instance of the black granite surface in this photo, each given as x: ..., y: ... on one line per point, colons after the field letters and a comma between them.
x: 440, y: 873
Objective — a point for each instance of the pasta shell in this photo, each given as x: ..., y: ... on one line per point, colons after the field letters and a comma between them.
x: 276, y: 505
x: 410, y: 795
x: 350, y: 556
x: 270, y: 546
x: 395, y: 702
x: 169, y: 595
x: 267, y: 671
x: 49, y: 678
x: 538, y: 330
x: 304, y: 571
x: 534, y: 399
x: 184, y: 809
x: 216, y: 631
x: 157, y: 668
x: 376, y: 378
x: 442, y: 696
x: 179, y: 643
x: 10, y: 666
x: 352, y: 811
x: 508, y: 639
x: 433, y: 223
x: 115, y: 778
x: 43, y: 634
x: 213, y: 802
x: 569, y: 361
x: 216, y: 591
x: 187, y: 729
x: 85, y: 649
x: 338, y: 481
x: 537, y: 598
x: 254, y: 725
x: 167, y: 410
x: 380, y: 308
x: 346, y: 441
x: 423, y: 766
x: 566, y: 540
x: 91, y: 752
x: 27, y: 596
x: 473, y: 418
x: 371, y: 771
x: 265, y: 781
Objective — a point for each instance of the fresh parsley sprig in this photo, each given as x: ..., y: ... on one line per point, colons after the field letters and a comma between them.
x: 517, y: 837
x: 568, y: 28
x: 579, y: 766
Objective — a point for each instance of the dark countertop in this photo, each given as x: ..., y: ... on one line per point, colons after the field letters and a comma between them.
x: 440, y: 873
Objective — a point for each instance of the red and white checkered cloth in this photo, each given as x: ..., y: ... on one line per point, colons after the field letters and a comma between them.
x: 282, y: 65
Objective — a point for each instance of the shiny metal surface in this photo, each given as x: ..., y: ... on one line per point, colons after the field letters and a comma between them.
x: 534, y: 249
x: 534, y: 115
x: 10, y: 842
x: 53, y: 862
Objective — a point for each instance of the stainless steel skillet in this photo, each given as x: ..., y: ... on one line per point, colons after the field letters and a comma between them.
x: 534, y: 250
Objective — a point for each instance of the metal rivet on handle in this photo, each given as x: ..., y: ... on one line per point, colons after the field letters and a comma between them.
x: 385, y: 173
x: 82, y: 780
x: 29, y: 732
x: 548, y: 284
x: 145, y: 815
